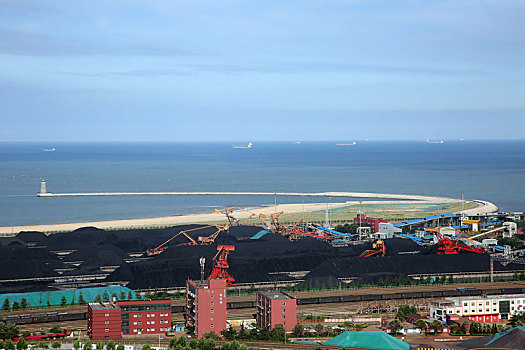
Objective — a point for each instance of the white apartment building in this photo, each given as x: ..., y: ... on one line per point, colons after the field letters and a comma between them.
x: 490, y: 308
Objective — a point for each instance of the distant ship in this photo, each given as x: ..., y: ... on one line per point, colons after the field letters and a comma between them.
x: 435, y: 141
x: 346, y: 144
x: 250, y: 145
x: 48, y: 149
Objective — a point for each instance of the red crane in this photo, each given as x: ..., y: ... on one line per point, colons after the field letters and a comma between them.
x: 220, y: 265
x: 449, y: 246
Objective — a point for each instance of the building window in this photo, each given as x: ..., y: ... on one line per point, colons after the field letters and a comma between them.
x: 212, y: 295
x: 284, y: 317
x: 284, y: 310
x: 212, y: 325
x: 211, y: 318
x: 212, y: 303
x: 107, y: 322
x: 284, y: 303
x: 211, y: 310
x: 107, y: 329
x: 107, y: 315
x: 152, y: 322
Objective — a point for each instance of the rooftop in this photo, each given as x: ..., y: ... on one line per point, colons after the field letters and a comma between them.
x: 275, y: 294
x: 103, y: 306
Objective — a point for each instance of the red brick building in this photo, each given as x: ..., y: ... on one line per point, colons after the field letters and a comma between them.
x: 372, y: 221
x: 111, y: 320
x: 145, y: 316
x: 275, y: 307
x: 206, y: 306
x: 103, y: 321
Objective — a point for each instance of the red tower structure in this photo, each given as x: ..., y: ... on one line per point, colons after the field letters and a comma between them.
x: 220, y: 265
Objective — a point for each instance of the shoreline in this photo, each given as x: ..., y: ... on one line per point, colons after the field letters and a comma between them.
x: 483, y: 207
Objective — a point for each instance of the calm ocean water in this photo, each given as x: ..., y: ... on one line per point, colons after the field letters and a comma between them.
x: 489, y: 170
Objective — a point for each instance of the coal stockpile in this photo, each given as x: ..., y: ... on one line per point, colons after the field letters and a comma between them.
x: 372, y: 268
x: 271, y: 257
x: 22, y: 262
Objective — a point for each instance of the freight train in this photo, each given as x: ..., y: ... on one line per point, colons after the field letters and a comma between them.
x: 62, y: 317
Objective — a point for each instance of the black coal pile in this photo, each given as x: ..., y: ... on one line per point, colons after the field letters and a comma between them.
x: 271, y: 257
x: 372, y: 268
x: 23, y: 262
x: 31, y: 236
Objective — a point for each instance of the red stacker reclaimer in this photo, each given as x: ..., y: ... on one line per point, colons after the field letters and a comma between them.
x: 220, y: 265
x: 449, y: 246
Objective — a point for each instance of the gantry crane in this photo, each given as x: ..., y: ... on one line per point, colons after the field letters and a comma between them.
x: 378, y: 248
x: 220, y: 265
x: 202, y: 240
x: 449, y: 246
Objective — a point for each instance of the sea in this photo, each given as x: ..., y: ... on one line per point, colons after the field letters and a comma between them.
x: 486, y: 170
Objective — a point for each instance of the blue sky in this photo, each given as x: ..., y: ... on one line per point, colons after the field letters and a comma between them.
x: 261, y: 70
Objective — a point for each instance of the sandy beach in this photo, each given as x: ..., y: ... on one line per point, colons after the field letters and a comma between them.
x: 484, y: 207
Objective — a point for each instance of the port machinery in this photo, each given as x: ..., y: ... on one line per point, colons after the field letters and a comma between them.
x: 220, y: 265
x: 200, y: 240
x: 452, y: 246
x: 378, y: 248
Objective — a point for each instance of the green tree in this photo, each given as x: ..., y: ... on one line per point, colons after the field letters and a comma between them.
x: 10, y: 345
x: 130, y: 296
x: 395, y: 326
x: 105, y: 296
x: 100, y: 345
x: 26, y: 334
x: 2, y: 344
x: 77, y: 345
x: 476, y: 328
x: 21, y: 344
x: 114, y: 296
x: 63, y: 301
x: 7, y: 305
x: 182, y: 341
x: 319, y: 329
x: 8, y: 331
x: 421, y: 324
x: 146, y: 347
x: 122, y: 295
x: 437, y: 326
x: 110, y: 345
x: 56, y: 329
x: 298, y: 330
x: 120, y: 347
x: 16, y: 305
x: 88, y: 345
x: 23, y: 304
x: 229, y: 333
x: 56, y: 345
x: 517, y: 319
x: 405, y: 310
x: 277, y: 333
x: 43, y: 345
x: 193, y: 344
x: 81, y: 300
x: 98, y: 299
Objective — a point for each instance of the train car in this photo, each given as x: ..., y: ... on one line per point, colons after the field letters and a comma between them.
x: 305, y: 301
x: 349, y: 298
x: 332, y: 299
x: 511, y: 290
x: 73, y: 316
x: 178, y: 308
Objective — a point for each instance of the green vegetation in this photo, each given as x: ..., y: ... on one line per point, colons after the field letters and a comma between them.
x: 56, y: 345
x: 21, y: 344
x: 515, y: 242
x: 8, y: 331
x: 256, y: 334
x: 405, y: 310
